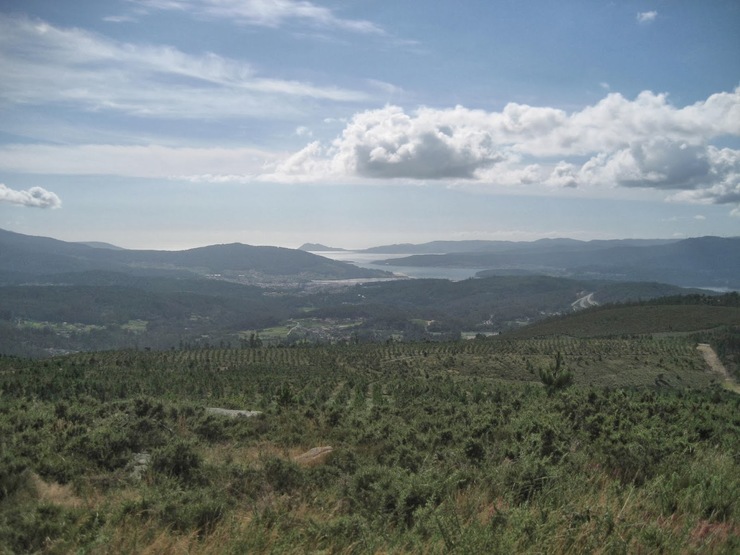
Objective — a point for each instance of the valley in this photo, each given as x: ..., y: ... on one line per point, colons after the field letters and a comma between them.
x: 178, y: 409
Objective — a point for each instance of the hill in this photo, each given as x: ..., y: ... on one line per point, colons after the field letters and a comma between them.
x: 98, y: 309
x: 318, y: 247
x: 425, y: 448
x: 669, y: 315
x: 698, y: 262
x: 24, y: 257
x: 482, y: 246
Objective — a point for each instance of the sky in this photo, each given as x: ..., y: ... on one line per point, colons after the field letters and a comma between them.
x: 171, y: 124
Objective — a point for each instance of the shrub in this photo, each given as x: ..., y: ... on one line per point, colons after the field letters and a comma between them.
x: 193, y: 511
x: 14, y: 477
x: 556, y: 377
x: 178, y: 459
x: 285, y: 476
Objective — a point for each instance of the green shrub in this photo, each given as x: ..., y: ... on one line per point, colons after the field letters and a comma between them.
x: 193, y: 511
x: 283, y: 475
x: 556, y: 377
x: 179, y: 459
x: 14, y: 476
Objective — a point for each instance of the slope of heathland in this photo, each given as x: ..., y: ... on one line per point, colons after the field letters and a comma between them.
x: 424, y: 448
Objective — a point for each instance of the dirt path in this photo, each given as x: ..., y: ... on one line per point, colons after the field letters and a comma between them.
x: 716, y: 366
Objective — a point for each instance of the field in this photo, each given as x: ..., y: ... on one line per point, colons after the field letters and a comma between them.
x: 385, y: 448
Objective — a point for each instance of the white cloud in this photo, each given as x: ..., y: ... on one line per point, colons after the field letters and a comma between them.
x: 640, y: 143
x: 36, y: 197
x: 119, y: 19
x: 657, y: 163
x: 42, y: 64
x: 646, y: 17
x: 265, y: 13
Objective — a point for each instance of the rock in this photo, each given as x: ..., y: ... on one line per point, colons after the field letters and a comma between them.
x: 231, y: 413
x: 314, y: 456
x: 140, y: 463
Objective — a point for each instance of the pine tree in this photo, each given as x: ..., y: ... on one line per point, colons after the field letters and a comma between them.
x: 556, y: 377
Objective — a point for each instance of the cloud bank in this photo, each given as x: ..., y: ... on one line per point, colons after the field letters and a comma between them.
x: 35, y: 197
x: 641, y: 143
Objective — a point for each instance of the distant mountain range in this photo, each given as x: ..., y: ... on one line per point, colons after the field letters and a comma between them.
x: 24, y: 257
x: 57, y: 296
x: 710, y: 262
x: 450, y: 247
x: 698, y: 262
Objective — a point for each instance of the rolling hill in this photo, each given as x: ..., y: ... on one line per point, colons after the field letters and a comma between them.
x: 669, y: 315
x: 712, y: 262
x: 24, y: 257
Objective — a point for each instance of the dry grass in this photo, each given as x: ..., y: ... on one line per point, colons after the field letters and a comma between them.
x: 56, y: 494
x: 710, y: 535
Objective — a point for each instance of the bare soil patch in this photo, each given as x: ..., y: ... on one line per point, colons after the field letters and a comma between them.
x: 716, y: 366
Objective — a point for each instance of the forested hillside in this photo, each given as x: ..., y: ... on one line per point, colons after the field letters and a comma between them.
x: 97, y: 310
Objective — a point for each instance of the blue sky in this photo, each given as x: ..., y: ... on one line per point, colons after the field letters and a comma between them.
x: 180, y: 123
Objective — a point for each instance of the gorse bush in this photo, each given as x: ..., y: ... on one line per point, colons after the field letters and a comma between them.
x: 179, y: 459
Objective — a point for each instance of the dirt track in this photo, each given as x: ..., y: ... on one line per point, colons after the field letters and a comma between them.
x: 716, y: 366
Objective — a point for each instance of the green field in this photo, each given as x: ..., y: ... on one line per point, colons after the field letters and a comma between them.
x: 436, y: 448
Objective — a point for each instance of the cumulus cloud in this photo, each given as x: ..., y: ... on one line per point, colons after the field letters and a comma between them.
x: 655, y: 163
x: 645, y: 142
x: 646, y: 17
x: 265, y: 13
x: 42, y: 64
x: 36, y: 197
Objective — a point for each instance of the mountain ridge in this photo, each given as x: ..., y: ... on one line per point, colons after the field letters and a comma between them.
x: 27, y: 256
x: 696, y: 262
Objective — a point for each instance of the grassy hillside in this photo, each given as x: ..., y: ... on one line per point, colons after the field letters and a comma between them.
x: 627, y: 320
x: 426, y: 448
x: 713, y: 320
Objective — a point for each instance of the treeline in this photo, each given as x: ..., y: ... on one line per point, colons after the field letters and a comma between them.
x: 731, y: 299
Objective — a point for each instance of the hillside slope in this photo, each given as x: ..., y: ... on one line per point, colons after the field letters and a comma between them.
x: 23, y: 257
x: 661, y: 316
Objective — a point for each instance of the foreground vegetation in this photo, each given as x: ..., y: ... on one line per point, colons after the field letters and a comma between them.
x: 435, y: 448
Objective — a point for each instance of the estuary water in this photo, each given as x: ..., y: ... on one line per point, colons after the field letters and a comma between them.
x: 365, y: 260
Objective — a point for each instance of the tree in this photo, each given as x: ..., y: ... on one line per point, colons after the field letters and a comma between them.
x: 556, y: 377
